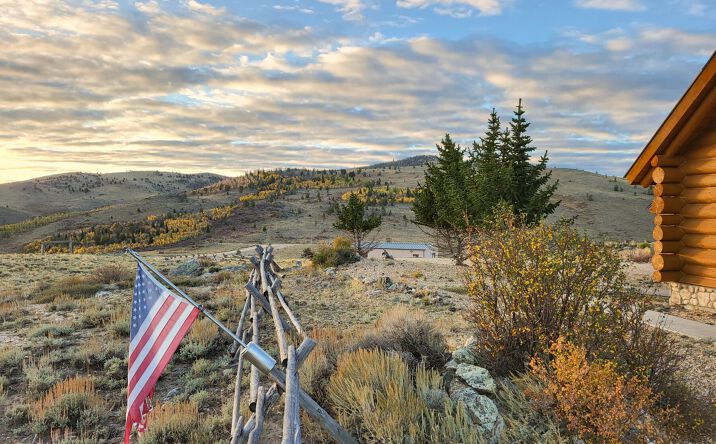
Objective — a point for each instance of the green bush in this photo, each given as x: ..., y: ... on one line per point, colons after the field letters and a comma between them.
x: 74, y: 286
x: 338, y: 253
x: 72, y: 404
x: 531, y: 285
x: 40, y: 374
x: 10, y: 359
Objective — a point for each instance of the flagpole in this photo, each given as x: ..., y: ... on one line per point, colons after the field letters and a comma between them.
x: 263, y: 361
x: 255, y: 354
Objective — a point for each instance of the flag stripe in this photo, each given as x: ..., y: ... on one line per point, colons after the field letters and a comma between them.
x: 151, y: 315
x: 152, y: 337
x: 153, y: 347
x: 160, y: 355
x: 149, y: 324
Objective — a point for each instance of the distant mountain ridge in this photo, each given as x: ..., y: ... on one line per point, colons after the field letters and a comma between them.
x: 406, y: 162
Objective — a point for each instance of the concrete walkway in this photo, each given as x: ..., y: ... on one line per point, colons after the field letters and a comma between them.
x: 687, y: 327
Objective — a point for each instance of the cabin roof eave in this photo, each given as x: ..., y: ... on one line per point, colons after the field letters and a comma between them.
x: 702, y: 85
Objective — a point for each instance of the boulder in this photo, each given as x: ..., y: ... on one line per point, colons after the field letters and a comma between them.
x: 462, y: 355
x: 192, y: 267
x: 482, y: 412
x: 331, y: 271
x: 476, y: 377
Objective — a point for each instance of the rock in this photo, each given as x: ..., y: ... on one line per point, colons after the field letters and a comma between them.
x: 331, y: 271
x: 103, y: 294
x: 384, y: 282
x: 369, y: 281
x: 171, y: 394
x: 477, y: 378
x: 192, y: 267
x: 393, y: 287
x: 464, y: 355
x: 482, y: 411
x: 375, y: 293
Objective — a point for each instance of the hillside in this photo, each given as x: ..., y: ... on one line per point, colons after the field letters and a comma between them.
x: 288, y: 206
x: 82, y: 191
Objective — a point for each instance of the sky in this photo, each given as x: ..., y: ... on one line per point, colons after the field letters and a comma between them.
x: 233, y: 86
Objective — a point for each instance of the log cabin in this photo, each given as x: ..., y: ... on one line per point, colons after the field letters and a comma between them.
x: 679, y: 162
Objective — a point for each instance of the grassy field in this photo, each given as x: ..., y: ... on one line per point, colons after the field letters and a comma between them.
x: 604, y: 207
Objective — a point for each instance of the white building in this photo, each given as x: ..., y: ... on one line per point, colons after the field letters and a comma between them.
x: 402, y: 250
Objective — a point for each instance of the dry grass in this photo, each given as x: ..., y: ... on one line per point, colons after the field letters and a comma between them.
x: 71, y: 404
x: 114, y: 273
x: 376, y: 397
x: 176, y: 423
x: 74, y: 286
x: 409, y: 334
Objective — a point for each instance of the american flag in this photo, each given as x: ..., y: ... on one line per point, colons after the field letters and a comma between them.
x: 159, y: 321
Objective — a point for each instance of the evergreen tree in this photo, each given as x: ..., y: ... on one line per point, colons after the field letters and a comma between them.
x: 492, y: 175
x: 351, y: 218
x: 444, y: 203
x: 530, y: 187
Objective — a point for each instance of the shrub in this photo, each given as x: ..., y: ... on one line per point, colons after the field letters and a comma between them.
x: 307, y: 253
x: 74, y: 286
x: 409, y: 334
x: 178, y: 423
x: 340, y: 252
x: 115, y: 273
x: 40, y: 374
x: 322, y: 362
x: 3, y: 383
x: 10, y: 359
x: 95, y: 351
x: 531, y: 285
x: 118, y: 323
x: 376, y: 398
x: 63, y: 302
x: 51, y: 330
x: 73, y: 404
x: 593, y: 399
x: 639, y: 255
x: 525, y: 422
x: 201, y: 339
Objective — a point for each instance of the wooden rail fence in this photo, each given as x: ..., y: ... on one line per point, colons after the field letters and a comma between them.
x: 264, y: 297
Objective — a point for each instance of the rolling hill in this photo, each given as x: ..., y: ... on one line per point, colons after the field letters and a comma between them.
x: 604, y: 207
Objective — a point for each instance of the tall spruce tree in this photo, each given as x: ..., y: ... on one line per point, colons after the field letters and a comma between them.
x: 444, y: 203
x: 530, y: 186
x: 492, y: 177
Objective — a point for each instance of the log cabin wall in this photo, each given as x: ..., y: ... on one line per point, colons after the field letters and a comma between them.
x: 685, y: 213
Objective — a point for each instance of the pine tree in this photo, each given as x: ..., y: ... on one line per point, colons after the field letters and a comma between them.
x: 530, y: 189
x: 492, y: 176
x: 444, y: 203
x: 351, y: 218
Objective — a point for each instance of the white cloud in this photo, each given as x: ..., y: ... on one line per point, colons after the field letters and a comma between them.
x: 351, y: 9
x: 458, y: 8
x: 613, y: 5
x: 195, y: 89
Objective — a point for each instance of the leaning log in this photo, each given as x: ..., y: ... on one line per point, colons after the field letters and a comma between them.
x: 291, y: 413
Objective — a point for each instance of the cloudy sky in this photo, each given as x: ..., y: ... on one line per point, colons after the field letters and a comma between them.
x: 226, y: 87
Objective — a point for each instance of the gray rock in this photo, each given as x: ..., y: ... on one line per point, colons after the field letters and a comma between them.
x: 103, y: 294
x: 482, y: 412
x: 476, y: 377
x: 369, y: 281
x: 171, y: 394
x: 375, y: 293
x: 192, y: 267
x: 331, y: 271
x: 464, y: 355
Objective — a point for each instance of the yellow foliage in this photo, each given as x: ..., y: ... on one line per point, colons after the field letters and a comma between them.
x: 592, y: 398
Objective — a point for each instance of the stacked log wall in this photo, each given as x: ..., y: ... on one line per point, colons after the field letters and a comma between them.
x: 685, y: 213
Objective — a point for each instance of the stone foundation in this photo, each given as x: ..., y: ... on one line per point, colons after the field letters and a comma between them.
x: 693, y: 296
